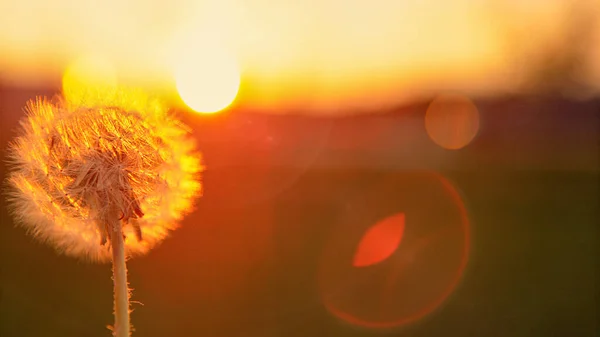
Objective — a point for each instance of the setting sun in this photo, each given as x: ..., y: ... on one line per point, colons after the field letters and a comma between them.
x: 207, y: 81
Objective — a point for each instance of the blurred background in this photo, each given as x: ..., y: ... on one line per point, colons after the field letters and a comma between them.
x: 374, y: 168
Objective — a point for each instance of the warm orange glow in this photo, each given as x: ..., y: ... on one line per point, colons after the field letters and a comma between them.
x: 88, y: 78
x: 452, y: 121
x: 300, y: 54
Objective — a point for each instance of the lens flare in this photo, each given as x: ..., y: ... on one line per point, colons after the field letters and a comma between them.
x: 409, y: 262
x: 380, y: 241
x: 452, y: 121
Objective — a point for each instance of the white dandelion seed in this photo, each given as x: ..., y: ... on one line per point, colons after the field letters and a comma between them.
x: 119, y: 173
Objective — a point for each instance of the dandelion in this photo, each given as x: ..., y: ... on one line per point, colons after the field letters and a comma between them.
x: 103, y: 180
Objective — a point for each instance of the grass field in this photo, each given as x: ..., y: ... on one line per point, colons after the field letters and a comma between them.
x: 280, y: 189
x: 248, y: 269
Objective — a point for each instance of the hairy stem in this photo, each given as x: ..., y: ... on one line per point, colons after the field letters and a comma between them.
x: 121, y: 290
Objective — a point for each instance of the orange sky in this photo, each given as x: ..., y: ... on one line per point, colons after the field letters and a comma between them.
x: 316, y: 54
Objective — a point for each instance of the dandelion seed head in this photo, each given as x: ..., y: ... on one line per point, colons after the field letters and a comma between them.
x: 74, y: 164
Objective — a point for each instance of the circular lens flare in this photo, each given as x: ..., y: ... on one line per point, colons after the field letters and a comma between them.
x: 396, y: 284
x: 452, y: 121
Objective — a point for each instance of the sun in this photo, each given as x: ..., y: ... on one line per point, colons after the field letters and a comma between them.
x: 207, y: 80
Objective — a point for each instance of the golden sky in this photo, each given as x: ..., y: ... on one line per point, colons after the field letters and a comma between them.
x: 315, y: 54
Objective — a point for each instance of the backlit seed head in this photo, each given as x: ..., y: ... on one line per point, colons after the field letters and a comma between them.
x: 74, y: 165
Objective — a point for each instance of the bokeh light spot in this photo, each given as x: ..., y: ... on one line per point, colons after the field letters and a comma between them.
x: 88, y: 79
x: 419, y: 275
x: 380, y: 241
x: 452, y: 121
x: 208, y: 80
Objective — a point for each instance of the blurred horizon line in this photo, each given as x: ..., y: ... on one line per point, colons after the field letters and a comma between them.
x: 523, y: 133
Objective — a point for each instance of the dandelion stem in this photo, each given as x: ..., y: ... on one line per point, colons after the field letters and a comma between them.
x: 121, y: 295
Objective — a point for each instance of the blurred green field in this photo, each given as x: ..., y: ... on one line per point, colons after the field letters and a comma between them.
x: 246, y: 262
x: 532, y: 269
